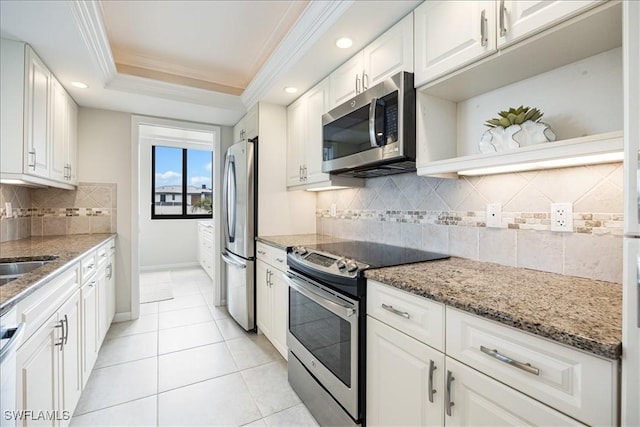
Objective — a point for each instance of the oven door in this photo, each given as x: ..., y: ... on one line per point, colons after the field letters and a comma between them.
x: 323, y: 334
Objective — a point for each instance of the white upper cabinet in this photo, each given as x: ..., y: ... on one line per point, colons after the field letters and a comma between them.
x: 451, y: 34
x: 39, y: 121
x: 520, y: 18
x: 247, y: 127
x: 389, y: 54
x: 296, y: 121
x: 316, y: 100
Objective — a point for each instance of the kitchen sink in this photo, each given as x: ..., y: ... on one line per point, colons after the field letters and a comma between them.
x: 12, y: 270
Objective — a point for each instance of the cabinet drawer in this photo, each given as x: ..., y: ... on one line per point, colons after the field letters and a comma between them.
x: 102, y: 254
x: 88, y: 266
x: 205, y: 231
x: 272, y: 255
x: 36, y: 308
x: 417, y: 317
x: 581, y: 385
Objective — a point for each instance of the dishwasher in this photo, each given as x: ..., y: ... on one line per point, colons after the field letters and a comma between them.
x: 11, y: 335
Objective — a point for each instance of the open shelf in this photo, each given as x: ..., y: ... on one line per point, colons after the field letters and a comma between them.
x: 601, y: 148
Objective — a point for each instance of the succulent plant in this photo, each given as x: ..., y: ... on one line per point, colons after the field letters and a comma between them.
x: 514, y: 116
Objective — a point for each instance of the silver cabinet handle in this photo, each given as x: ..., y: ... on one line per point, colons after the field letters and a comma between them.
x: 90, y: 266
x: 92, y: 284
x: 503, y: 11
x: 395, y: 311
x: 447, y: 393
x: 501, y: 357
x: 432, y: 368
x: 61, y: 343
x: 365, y: 80
x: 33, y: 153
x: 357, y: 83
x: 280, y: 260
x: 300, y: 173
x: 66, y: 329
x: 261, y: 252
x: 483, y: 29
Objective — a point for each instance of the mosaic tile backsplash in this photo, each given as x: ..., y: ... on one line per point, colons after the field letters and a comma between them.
x: 449, y: 215
x: 91, y: 208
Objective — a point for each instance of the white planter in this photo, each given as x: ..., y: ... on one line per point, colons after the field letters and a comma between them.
x: 528, y: 133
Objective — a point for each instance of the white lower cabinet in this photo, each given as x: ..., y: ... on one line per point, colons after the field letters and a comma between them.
x: 272, y: 296
x: 489, y: 374
x: 401, y: 371
x: 49, y: 377
x: 205, y: 247
x: 90, y: 345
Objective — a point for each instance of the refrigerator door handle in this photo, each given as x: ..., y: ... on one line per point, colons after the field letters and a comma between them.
x: 229, y: 198
x: 226, y: 258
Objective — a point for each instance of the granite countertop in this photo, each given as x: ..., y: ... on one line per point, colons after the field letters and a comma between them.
x: 67, y: 249
x: 285, y: 241
x: 581, y: 313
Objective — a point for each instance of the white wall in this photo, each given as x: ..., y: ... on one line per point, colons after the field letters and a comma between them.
x: 104, y: 155
x: 166, y: 243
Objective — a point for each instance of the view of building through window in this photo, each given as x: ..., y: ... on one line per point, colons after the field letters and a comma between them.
x: 182, y: 183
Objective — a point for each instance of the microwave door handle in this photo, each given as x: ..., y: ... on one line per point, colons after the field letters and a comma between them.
x: 372, y: 122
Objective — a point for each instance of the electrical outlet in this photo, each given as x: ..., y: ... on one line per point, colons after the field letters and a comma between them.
x: 333, y: 210
x: 494, y: 215
x: 9, y: 208
x: 561, y: 217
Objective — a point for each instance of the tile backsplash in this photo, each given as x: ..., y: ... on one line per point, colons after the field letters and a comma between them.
x: 449, y: 215
x: 91, y: 208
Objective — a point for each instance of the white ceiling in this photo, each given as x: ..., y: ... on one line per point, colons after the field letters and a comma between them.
x: 182, y: 59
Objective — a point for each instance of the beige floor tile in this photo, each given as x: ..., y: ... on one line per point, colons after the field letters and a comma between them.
x: 151, y: 277
x: 269, y: 386
x: 220, y: 312
x: 127, y: 349
x: 146, y: 323
x: 185, y: 289
x: 184, y: 317
x: 223, y: 401
x: 296, y: 416
x: 251, y: 351
x: 194, y: 365
x: 230, y: 328
x: 148, y: 308
x: 181, y: 302
x: 119, y: 384
x: 141, y: 412
x: 259, y: 423
x: 184, y: 337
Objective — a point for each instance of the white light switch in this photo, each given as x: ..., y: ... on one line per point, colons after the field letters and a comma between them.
x: 333, y: 212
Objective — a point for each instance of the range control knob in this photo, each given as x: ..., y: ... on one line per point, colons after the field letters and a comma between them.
x: 300, y: 250
x: 351, y: 266
x: 341, y: 263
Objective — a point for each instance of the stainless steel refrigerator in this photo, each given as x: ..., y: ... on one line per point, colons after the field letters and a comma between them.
x: 631, y: 258
x: 239, y: 223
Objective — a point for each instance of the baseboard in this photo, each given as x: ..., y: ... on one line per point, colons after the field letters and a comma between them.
x: 122, y: 317
x: 162, y: 267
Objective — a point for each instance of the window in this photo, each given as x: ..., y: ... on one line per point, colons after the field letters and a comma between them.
x: 181, y: 183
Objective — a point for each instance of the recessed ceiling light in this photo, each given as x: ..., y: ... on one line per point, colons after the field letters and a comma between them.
x: 79, y: 85
x: 344, y: 42
x: 290, y: 89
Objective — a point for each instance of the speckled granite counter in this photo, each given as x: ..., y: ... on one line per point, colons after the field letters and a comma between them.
x: 67, y: 249
x: 582, y: 313
x: 282, y: 242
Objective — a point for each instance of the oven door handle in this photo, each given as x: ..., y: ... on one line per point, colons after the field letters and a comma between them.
x: 323, y: 298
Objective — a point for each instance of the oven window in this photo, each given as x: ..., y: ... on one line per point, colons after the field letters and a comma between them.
x: 326, y: 335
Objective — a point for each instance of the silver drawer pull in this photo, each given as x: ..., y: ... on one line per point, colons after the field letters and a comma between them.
x: 394, y: 311
x: 261, y: 252
x: 448, y: 403
x: 431, y: 391
x: 280, y: 260
x: 501, y: 357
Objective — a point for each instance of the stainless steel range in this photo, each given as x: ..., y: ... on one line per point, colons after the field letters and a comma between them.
x: 327, y: 321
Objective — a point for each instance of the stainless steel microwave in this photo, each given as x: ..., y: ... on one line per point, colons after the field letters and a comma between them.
x: 374, y: 133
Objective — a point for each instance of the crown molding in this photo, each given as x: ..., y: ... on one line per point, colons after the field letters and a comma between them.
x: 88, y: 20
x: 314, y: 21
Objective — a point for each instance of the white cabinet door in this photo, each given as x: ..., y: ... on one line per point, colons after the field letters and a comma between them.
x: 280, y: 296
x: 479, y: 400
x: 111, y: 284
x: 72, y: 141
x: 37, y: 111
x: 400, y: 371
x: 71, y: 366
x: 451, y: 34
x: 37, y: 378
x: 238, y: 131
x: 264, y: 311
x: 390, y: 53
x: 103, y: 315
x: 522, y: 18
x: 59, y: 132
x: 90, y: 344
x: 316, y: 100
x: 346, y: 81
x: 296, y: 130
x: 251, y: 123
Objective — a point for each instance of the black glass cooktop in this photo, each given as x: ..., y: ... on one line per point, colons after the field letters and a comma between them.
x: 377, y: 255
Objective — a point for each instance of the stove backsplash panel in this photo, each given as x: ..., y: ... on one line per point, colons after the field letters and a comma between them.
x: 449, y: 215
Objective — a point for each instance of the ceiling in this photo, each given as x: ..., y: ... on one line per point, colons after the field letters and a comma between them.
x: 202, y: 61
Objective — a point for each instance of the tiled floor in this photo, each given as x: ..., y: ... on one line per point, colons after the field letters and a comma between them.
x: 185, y: 362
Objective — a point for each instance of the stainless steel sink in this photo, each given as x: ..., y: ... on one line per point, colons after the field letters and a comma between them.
x: 12, y: 270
